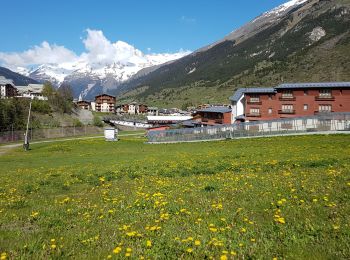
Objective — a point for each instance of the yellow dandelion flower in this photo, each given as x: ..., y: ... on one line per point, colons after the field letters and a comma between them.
x: 223, y: 257
x: 149, y: 243
x: 53, y: 246
x: 189, y: 250
x: 117, y: 250
x: 197, y: 243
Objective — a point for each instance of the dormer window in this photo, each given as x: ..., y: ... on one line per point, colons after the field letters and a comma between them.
x: 254, y: 98
x: 325, y: 93
x: 287, y: 94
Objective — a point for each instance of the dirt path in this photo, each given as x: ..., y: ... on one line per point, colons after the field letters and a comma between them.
x: 5, y: 148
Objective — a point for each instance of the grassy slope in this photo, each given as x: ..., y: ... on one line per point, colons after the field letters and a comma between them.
x: 91, y: 196
x: 225, y: 67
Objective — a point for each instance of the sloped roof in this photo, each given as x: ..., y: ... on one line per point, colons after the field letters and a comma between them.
x: 239, y: 92
x: 313, y: 85
x: 105, y: 95
x: 216, y: 110
x: 5, y: 81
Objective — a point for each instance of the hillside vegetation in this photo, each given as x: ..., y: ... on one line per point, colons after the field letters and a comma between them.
x: 283, y: 52
x: 284, y: 198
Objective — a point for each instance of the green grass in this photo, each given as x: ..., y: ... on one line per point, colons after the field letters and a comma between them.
x: 284, y: 197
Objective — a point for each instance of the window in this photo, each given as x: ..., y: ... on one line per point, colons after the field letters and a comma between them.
x: 305, y: 93
x: 270, y: 110
x: 325, y: 93
x: 325, y: 108
x: 254, y: 98
x: 287, y: 108
x: 255, y: 111
x: 269, y: 124
x: 287, y: 94
x: 306, y: 106
x: 270, y: 97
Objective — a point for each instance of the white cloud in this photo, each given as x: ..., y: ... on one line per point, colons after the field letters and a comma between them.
x: 44, y: 53
x: 98, y: 51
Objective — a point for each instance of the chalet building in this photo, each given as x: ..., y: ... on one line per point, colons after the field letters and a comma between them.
x: 142, y: 109
x: 84, y: 105
x: 132, y: 109
x: 105, y: 103
x: 214, y: 116
x: 33, y: 91
x: 7, y: 88
x: 290, y: 100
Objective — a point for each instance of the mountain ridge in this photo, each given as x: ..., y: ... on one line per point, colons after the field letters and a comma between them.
x: 18, y: 79
x: 272, y: 55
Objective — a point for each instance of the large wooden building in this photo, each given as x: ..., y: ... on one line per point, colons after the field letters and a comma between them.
x: 105, y: 103
x: 290, y: 100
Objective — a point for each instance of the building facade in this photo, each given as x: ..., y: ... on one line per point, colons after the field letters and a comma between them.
x: 7, y: 88
x: 85, y: 105
x: 33, y: 91
x: 105, y: 103
x: 214, y: 116
x: 290, y: 100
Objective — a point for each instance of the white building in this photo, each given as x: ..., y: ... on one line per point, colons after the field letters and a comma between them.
x: 33, y: 91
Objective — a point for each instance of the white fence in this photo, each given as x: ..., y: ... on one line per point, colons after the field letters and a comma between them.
x: 321, y: 123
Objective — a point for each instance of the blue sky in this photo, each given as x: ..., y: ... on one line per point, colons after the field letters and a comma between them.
x: 162, y: 26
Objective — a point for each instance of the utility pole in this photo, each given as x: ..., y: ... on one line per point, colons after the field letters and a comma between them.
x: 26, y: 141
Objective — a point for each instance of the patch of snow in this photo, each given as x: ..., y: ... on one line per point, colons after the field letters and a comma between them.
x: 192, y: 70
x: 286, y: 6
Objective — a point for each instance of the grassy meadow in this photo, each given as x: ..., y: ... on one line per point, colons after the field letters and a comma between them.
x: 265, y: 198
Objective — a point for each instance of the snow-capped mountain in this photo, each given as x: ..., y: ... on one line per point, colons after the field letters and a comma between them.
x: 92, y: 73
x: 298, y: 41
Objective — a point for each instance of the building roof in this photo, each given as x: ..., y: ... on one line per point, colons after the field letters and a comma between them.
x: 5, y: 81
x: 239, y: 92
x: 259, y: 90
x: 32, y: 88
x: 168, y: 118
x: 313, y: 85
x: 104, y: 95
x: 216, y: 110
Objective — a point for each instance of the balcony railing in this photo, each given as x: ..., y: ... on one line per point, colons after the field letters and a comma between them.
x: 253, y: 115
x: 322, y: 112
x: 286, y: 111
x: 287, y: 98
x: 325, y: 98
x: 254, y: 102
x: 218, y: 121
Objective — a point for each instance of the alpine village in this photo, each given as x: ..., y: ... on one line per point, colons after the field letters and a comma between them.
x: 238, y: 149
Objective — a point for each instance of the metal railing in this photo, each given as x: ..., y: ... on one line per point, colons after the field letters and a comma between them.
x: 321, y: 123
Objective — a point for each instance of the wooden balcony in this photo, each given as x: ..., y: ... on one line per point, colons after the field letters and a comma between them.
x: 254, y: 102
x: 218, y: 121
x: 325, y: 98
x: 286, y: 98
x: 323, y: 112
x: 253, y: 115
x: 289, y: 112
